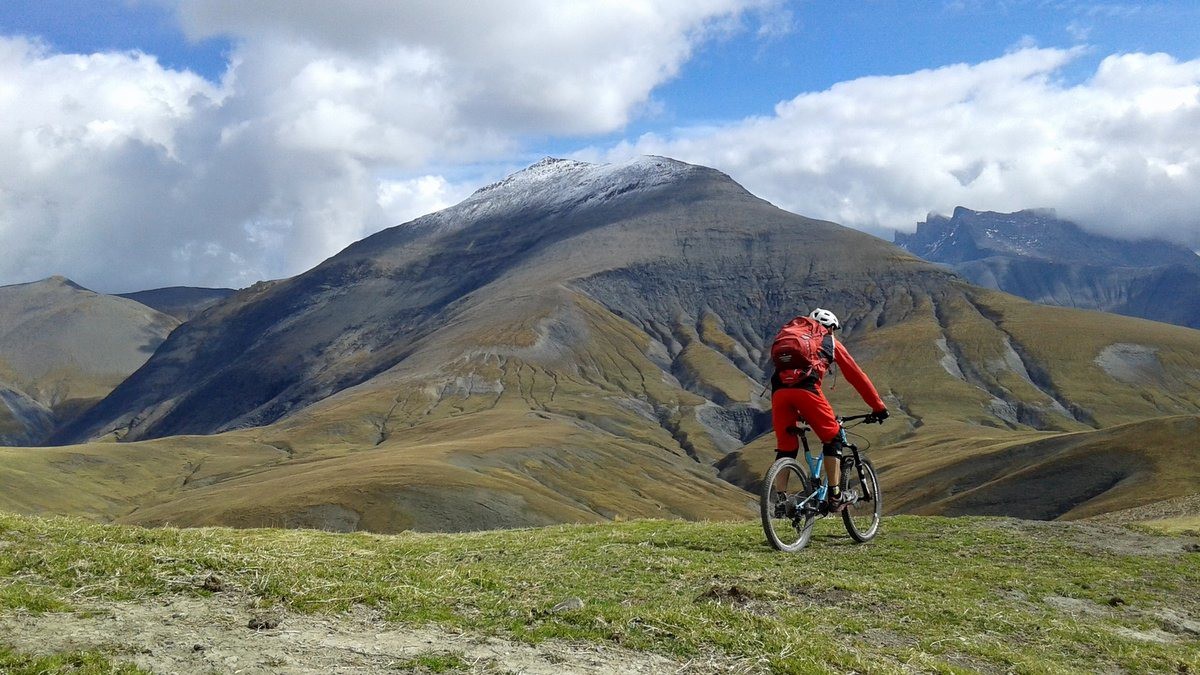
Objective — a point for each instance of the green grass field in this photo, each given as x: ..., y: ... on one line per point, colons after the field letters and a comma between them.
x: 929, y: 594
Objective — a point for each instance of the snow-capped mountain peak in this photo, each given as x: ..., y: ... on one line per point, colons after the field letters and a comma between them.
x: 554, y: 184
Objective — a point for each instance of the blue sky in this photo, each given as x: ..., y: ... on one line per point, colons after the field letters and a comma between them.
x: 83, y: 26
x: 831, y: 42
x: 222, y: 142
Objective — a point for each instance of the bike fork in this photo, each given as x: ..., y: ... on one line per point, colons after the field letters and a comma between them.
x: 862, y: 475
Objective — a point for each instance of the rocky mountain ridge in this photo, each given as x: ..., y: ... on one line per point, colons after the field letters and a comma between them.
x: 1038, y: 256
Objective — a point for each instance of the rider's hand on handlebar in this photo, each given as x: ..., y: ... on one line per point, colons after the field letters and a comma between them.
x: 877, y: 417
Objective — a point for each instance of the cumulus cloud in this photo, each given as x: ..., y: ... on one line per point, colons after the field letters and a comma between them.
x: 1119, y: 152
x: 92, y: 150
x: 503, y: 67
x: 125, y: 174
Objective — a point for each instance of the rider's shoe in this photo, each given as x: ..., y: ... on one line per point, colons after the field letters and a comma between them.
x: 842, y: 500
x: 781, y: 500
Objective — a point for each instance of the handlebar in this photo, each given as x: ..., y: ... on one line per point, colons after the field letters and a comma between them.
x: 868, y: 418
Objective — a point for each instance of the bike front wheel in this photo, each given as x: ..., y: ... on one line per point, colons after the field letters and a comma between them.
x: 787, y: 514
x: 863, y: 515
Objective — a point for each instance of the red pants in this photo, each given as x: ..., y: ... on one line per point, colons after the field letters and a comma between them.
x: 789, y: 404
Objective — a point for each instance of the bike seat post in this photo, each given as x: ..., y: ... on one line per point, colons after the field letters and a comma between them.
x: 804, y: 437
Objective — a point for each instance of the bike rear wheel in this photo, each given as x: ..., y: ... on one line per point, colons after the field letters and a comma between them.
x: 862, y: 517
x: 789, y: 528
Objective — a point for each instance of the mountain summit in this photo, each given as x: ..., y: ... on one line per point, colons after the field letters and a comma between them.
x: 277, y: 347
x: 556, y: 184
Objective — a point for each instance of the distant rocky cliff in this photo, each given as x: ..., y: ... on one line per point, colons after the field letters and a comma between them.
x: 1036, y: 255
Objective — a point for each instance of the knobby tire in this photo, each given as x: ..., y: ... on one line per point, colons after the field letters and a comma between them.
x: 862, y: 518
x: 790, y: 533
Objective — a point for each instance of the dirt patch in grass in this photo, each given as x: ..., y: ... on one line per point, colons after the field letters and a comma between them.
x: 742, y: 599
x: 1130, y: 363
x: 733, y: 595
x: 213, y: 634
x: 1090, y: 537
x: 1179, y: 624
x: 1074, y: 606
x: 1152, y: 635
x: 1173, y: 626
x: 821, y: 597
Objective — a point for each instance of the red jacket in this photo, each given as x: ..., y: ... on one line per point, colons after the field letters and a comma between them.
x: 854, y: 375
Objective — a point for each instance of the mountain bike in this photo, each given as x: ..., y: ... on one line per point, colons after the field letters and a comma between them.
x: 788, y: 514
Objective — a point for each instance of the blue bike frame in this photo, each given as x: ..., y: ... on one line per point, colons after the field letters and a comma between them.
x: 814, y: 470
x: 815, y: 467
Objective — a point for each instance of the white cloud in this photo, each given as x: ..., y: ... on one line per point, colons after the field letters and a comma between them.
x: 502, y: 67
x: 404, y: 200
x: 1119, y: 152
x: 124, y: 174
x: 91, y: 146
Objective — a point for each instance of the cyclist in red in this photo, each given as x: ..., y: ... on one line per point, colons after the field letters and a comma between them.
x: 803, y: 399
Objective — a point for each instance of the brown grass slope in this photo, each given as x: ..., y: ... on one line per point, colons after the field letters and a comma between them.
x: 501, y: 442
x: 1066, y: 476
x: 505, y: 441
x: 594, y: 358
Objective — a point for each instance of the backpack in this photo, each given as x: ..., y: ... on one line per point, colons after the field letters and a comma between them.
x: 796, y: 351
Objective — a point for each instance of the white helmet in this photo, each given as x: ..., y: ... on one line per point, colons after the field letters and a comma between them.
x: 825, y: 318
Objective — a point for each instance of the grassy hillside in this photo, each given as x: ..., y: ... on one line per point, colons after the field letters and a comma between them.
x: 566, y: 412
x: 930, y: 594
x: 1067, y: 476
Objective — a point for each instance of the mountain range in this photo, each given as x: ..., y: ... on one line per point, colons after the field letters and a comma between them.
x: 582, y: 342
x: 1036, y: 255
